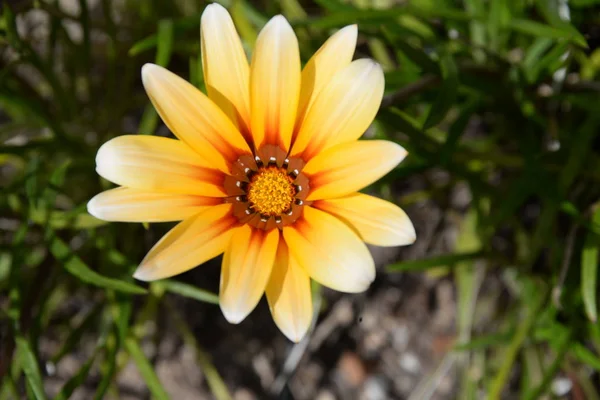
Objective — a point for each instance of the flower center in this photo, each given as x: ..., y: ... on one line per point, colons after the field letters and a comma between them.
x: 271, y: 191
x: 267, y: 188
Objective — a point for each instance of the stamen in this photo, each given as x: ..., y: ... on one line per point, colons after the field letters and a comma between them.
x: 271, y: 191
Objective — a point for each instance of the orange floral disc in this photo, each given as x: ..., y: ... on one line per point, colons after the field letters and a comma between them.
x: 267, y: 190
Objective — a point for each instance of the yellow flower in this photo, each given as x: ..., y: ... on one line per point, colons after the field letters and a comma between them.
x: 266, y: 170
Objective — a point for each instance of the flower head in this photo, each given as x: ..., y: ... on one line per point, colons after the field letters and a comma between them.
x: 265, y: 169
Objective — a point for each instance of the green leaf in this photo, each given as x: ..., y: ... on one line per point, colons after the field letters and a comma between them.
x: 79, y: 269
x: 433, y: 262
x: 76, y: 380
x: 483, y: 342
x: 186, y: 290
x: 109, y: 367
x: 584, y: 355
x: 446, y: 94
x: 145, y: 369
x: 542, y: 30
x: 164, y: 47
x: 509, y: 355
x: 143, y: 45
x: 31, y: 368
x: 589, y: 270
x: 416, y: 55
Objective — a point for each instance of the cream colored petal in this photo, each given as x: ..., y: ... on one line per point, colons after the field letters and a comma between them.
x: 193, y: 117
x: 191, y: 243
x: 343, y: 109
x: 134, y: 205
x: 330, y: 252
x: 247, y: 265
x: 289, y: 295
x: 335, y: 54
x: 377, y: 221
x: 226, y: 69
x: 349, y: 167
x: 275, y: 84
x: 157, y: 164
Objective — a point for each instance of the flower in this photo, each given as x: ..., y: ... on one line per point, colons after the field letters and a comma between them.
x: 265, y: 169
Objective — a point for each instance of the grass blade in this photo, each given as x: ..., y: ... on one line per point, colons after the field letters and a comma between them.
x: 186, y: 290
x: 31, y: 368
x: 447, y: 93
x: 79, y: 269
x: 589, y: 270
x: 146, y: 370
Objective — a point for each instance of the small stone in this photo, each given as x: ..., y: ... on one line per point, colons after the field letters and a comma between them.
x: 410, y: 363
x: 352, y: 369
x: 561, y: 386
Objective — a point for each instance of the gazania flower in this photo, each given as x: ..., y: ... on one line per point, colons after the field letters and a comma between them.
x: 265, y: 169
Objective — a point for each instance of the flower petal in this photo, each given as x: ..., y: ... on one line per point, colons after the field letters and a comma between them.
x: 225, y: 66
x: 334, y: 54
x: 275, y: 84
x: 377, y: 221
x: 343, y: 109
x: 157, y: 164
x: 134, y: 205
x: 189, y: 244
x: 289, y: 295
x: 193, y: 117
x: 247, y: 265
x: 346, y: 168
x: 330, y: 252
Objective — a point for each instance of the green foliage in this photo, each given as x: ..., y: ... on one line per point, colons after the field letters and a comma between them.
x: 500, y: 95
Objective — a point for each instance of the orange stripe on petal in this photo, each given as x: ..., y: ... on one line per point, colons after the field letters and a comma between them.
x: 334, y: 55
x: 157, y: 164
x: 225, y: 66
x: 247, y: 265
x: 377, y: 221
x: 275, y: 84
x: 194, y: 118
x: 191, y: 243
x: 134, y: 205
x: 343, y: 110
x: 289, y: 295
x: 330, y: 252
x: 349, y: 167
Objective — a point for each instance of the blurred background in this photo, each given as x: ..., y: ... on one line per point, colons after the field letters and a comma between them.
x: 498, y: 104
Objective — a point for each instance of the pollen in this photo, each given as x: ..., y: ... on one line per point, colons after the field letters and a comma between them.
x: 270, y: 191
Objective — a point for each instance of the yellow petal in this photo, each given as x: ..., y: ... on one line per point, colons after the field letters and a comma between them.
x: 377, y: 221
x: 343, y: 110
x: 157, y: 164
x: 247, y: 265
x: 335, y: 54
x: 330, y: 252
x: 289, y: 295
x: 275, y: 84
x: 134, y: 205
x: 349, y: 167
x: 191, y: 243
x: 193, y: 117
x: 226, y: 69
